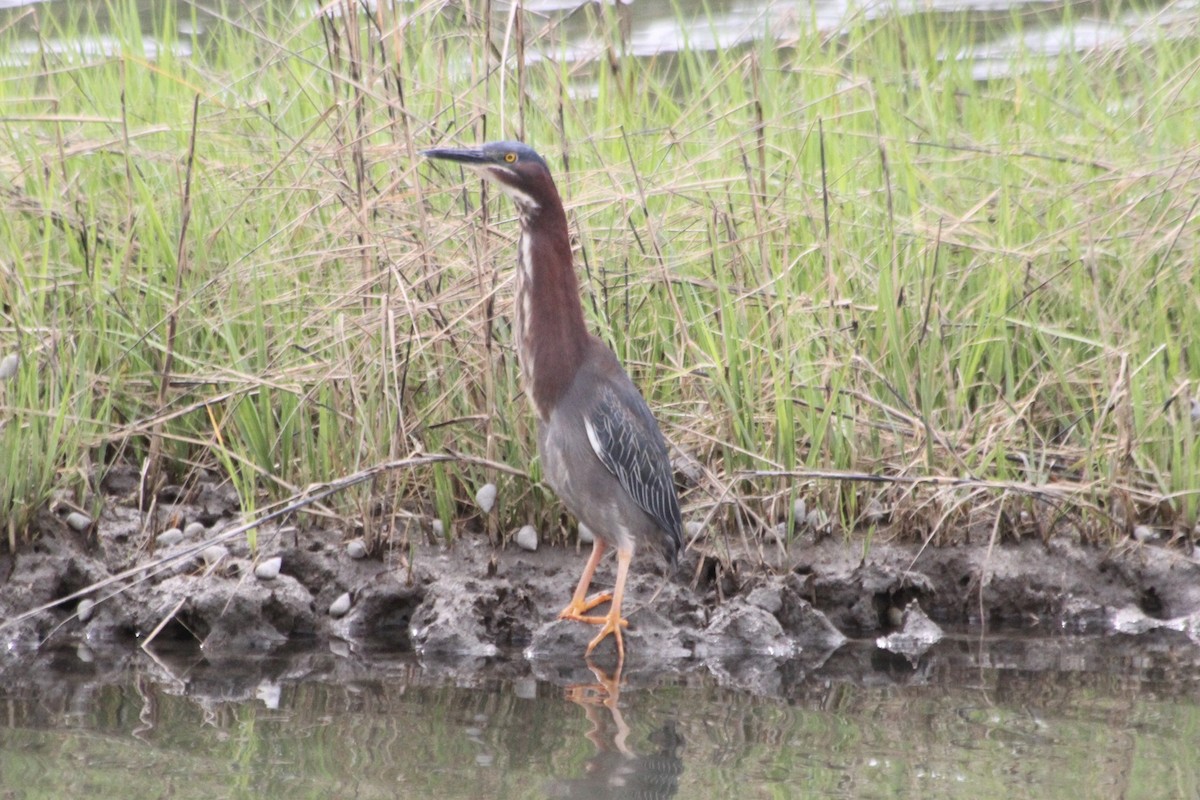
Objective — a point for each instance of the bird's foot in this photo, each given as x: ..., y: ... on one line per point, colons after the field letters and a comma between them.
x: 575, y: 611
x: 612, y: 625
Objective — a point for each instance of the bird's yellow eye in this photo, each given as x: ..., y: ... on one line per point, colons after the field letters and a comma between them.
x: 510, y: 157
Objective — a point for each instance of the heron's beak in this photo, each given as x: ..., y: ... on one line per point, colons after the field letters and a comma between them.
x: 467, y: 156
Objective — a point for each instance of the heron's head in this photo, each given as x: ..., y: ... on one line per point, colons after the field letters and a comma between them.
x: 518, y: 170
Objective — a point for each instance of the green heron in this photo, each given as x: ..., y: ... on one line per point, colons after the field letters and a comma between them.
x: 602, y: 451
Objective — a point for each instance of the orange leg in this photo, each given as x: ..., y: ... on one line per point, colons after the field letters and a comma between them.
x: 613, y: 622
x: 575, y: 610
x: 578, y: 605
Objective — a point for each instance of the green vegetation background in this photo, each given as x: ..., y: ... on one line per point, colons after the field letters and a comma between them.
x: 822, y: 254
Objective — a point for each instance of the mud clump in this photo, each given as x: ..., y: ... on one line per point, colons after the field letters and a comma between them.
x: 471, y: 601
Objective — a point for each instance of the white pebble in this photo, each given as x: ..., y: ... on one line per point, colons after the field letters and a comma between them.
x: 693, y: 528
x: 169, y: 537
x: 340, y: 606
x: 585, y: 534
x: 268, y: 570
x: 78, y: 521
x: 213, y: 554
x: 356, y: 549
x: 438, y: 528
x: 800, y: 510
x: 84, y: 609
x: 194, y: 530
x: 1143, y: 533
x: 486, y: 497
x: 527, y: 538
x: 8, y: 366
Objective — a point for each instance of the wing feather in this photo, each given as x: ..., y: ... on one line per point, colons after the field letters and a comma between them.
x: 627, y: 440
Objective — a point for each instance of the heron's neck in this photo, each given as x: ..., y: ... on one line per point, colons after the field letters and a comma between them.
x: 551, y: 334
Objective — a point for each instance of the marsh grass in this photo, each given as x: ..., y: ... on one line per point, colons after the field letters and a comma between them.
x: 838, y: 265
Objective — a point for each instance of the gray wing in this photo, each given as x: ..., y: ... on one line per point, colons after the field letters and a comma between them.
x: 626, y: 438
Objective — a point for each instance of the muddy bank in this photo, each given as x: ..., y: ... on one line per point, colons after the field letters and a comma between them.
x: 474, y: 601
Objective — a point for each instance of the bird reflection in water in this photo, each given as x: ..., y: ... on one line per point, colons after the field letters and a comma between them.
x: 616, y: 771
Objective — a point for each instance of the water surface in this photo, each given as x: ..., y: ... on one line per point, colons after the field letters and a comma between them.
x: 1037, y: 717
x: 567, y: 29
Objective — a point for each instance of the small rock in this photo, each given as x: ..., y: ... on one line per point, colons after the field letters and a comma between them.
x: 1143, y: 533
x: 169, y: 537
x: 1133, y: 621
x: 449, y: 624
x: 873, y: 579
x: 693, y: 529
x: 194, y: 530
x: 439, y: 529
x: 84, y: 609
x: 270, y: 693
x: 738, y: 629
x: 486, y: 497
x: 8, y: 368
x: 918, y: 633
x: 268, y: 570
x: 768, y: 598
x: 585, y: 534
x: 214, y: 554
x: 808, y: 627
x: 356, y: 549
x: 78, y: 521
x: 527, y: 538
x: 339, y: 607
x: 800, y: 510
